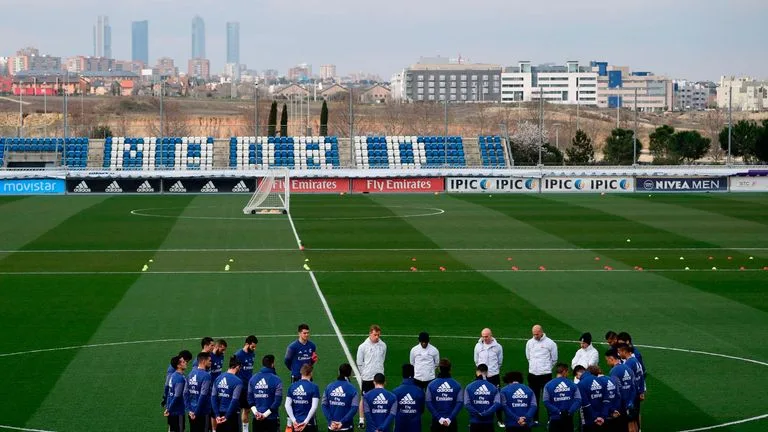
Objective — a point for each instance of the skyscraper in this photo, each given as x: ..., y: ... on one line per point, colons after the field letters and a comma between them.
x: 233, y: 42
x: 140, y: 41
x: 102, y: 38
x: 198, y: 37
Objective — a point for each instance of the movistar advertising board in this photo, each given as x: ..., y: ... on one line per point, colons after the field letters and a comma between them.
x: 41, y: 186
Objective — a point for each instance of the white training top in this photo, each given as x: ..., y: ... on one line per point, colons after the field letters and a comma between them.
x: 424, y: 361
x: 586, y: 357
x: 370, y: 358
x: 541, y: 355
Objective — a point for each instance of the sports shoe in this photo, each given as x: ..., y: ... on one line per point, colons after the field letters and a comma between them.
x: 361, y: 425
x: 500, y: 424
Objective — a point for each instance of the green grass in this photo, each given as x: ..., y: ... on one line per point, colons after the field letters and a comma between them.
x: 70, y: 272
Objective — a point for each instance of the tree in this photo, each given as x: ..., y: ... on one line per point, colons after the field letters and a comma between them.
x: 743, y: 139
x: 524, y: 144
x: 690, y: 146
x: 551, y: 155
x: 662, y: 141
x: 581, y: 151
x: 101, y: 131
x: 761, y: 145
x: 324, y: 119
x: 272, y: 121
x: 618, y: 147
x: 284, y: 121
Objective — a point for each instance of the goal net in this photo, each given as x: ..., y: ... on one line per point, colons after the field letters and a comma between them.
x: 272, y: 194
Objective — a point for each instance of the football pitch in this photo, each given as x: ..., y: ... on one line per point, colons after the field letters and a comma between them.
x: 88, y: 335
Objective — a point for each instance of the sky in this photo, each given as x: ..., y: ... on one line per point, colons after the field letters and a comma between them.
x: 682, y: 39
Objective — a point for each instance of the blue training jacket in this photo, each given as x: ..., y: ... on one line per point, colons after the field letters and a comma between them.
x: 175, y: 402
x: 613, y: 397
x: 197, y: 392
x: 634, y: 365
x: 301, y: 393
x: 297, y: 355
x: 380, y: 406
x: 561, y: 395
x: 518, y: 400
x: 217, y: 361
x: 627, y: 390
x: 482, y: 400
x: 410, y: 407
x: 265, y: 392
x: 246, y: 365
x: 593, y: 399
x: 340, y: 403
x: 225, y: 396
x: 444, y: 398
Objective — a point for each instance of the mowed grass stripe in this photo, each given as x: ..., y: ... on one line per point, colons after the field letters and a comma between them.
x: 25, y: 220
x: 720, y: 204
x: 445, y: 303
x: 9, y: 199
x: 62, y: 310
x: 174, y: 306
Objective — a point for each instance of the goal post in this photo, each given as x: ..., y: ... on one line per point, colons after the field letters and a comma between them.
x: 272, y: 195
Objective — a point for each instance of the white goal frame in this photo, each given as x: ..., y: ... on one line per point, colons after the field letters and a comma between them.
x: 269, y: 197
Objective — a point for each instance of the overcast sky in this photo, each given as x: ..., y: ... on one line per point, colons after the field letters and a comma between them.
x: 686, y: 39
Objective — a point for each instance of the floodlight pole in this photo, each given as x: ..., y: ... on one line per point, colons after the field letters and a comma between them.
x: 256, y: 109
x: 634, y: 135
x: 21, y: 109
x: 541, y: 123
x: 445, y: 137
x: 730, y: 120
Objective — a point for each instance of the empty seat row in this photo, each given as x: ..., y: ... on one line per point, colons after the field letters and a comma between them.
x: 73, y: 150
x: 310, y: 152
x: 150, y: 153
x: 491, y: 151
x: 409, y: 151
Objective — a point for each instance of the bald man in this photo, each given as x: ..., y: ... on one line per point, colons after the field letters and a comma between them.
x: 490, y: 353
x: 541, y: 353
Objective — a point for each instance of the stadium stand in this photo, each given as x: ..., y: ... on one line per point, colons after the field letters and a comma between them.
x: 491, y: 152
x: 310, y: 152
x: 409, y: 151
x: 73, y: 152
x: 150, y: 153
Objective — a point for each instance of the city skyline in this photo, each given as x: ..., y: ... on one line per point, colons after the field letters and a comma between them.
x: 681, y: 40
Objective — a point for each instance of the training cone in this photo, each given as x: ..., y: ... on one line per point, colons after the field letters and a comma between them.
x: 226, y: 267
x: 413, y: 259
x: 515, y: 268
x: 151, y: 260
x: 301, y: 247
x: 597, y: 258
x: 442, y: 268
x: 306, y: 267
x: 145, y: 268
x: 542, y: 268
x: 413, y: 269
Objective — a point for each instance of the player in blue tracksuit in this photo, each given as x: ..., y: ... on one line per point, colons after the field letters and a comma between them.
x: 301, y: 402
x: 265, y: 393
x: 217, y: 358
x: 444, y: 399
x: 174, y: 408
x: 627, y: 391
x: 379, y: 406
x: 593, y: 400
x: 206, y: 345
x: 197, y: 394
x: 246, y: 356
x: 612, y: 402
x: 625, y: 338
x: 225, y: 398
x: 340, y: 401
x: 410, y: 402
x: 562, y: 399
x: 518, y: 402
x: 300, y: 352
x: 631, y: 362
x: 187, y: 356
x: 482, y: 401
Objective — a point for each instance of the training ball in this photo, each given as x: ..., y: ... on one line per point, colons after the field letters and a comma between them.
x: 687, y: 268
x: 628, y: 240
x: 714, y: 268
x: 490, y: 196
x: 649, y: 195
x: 682, y: 258
x: 656, y: 258
x: 751, y: 258
x: 437, y: 193
x: 151, y: 260
x: 231, y: 260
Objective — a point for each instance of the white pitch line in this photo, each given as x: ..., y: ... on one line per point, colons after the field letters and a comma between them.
x: 746, y: 420
x: 328, y: 312
x: 34, y: 251
x: 23, y: 429
x: 231, y: 272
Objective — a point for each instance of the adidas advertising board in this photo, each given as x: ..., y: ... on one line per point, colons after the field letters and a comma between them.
x: 208, y: 185
x: 492, y: 184
x: 681, y: 184
x: 749, y: 184
x: 588, y: 184
x: 90, y: 185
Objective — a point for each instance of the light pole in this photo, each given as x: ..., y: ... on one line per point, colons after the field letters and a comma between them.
x: 66, y: 122
x: 541, y: 122
x: 162, y: 113
x: 730, y: 120
x: 256, y: 108
x: 634, y: 135
x: 21, y: 109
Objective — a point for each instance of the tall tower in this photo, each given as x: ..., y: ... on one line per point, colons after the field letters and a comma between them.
x: 233, y: 42
x: 198, y: 37
x: 102, y: 37
x: 140, y: 41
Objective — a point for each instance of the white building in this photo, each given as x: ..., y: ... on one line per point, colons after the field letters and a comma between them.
x: 691, y: 95
x: 568, y: 84
x: 328, y: 72
x: 397, y: 87
x: 749, y: 94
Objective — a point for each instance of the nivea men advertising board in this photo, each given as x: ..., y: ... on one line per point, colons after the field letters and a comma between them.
x: 682, y: 184
x: 607, y: 184
x: 492, y: 184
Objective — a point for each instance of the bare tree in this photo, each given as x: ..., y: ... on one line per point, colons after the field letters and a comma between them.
x: 714, y: 121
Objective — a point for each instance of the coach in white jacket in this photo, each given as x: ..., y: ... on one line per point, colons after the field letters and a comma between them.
x: 541, y: 353
x: 587, y: 355
x: 490, y: 353
x: 370, y: 361
x: 424, y: 358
